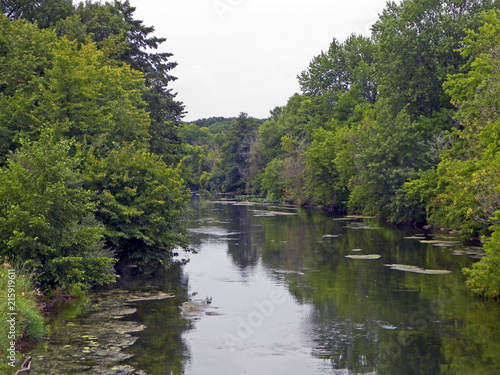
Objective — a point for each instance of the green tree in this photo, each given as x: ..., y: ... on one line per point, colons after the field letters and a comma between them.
x: 324, y: 183
x: 394, y: 151
x: 416, y: 43
x: 115, y: 30
x: 69, y: 87
x: 141, y: 203
x: 44, y: 12
x: 340, y: 69
x: 25, y: 54
x: 235, y: 153
x: 46, y: 216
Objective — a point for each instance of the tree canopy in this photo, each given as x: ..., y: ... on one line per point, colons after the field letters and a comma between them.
x: 89, y: 149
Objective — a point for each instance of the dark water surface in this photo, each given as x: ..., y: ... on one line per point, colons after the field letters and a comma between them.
x: 271, y: 291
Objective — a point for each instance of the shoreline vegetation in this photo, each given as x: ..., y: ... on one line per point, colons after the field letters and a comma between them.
x: 96, y: 164
x: 401, y: 125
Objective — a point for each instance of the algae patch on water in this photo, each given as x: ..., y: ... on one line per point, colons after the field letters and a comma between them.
x: 415, y: 269
x: 95, y: 341
x: 367, y: 256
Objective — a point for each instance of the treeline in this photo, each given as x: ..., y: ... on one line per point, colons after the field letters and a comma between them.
x: 403, y: 125
x: 89, y: 151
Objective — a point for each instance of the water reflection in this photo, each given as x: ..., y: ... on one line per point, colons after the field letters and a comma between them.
x: 286, y: 300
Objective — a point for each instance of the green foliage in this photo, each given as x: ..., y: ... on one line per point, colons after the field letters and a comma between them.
x: 343, y: 68
x: 484, y: 276
x: 325, y: 186
x: 216, y: 125
x: 141, y: 202
x: 25, y: 54
x: 44, y: 12
x: 113, y: 27
x: 235, y: 153
x: 46, y: 216
x: 463, y: 191
x: 271, y: 181
x: 86, y: 80
x: 392, y: 155
x: 417, y: 41
x: 72, y: 89
x: 30, y: 324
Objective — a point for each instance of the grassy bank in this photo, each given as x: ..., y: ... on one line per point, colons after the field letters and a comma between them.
x: 21, y: 318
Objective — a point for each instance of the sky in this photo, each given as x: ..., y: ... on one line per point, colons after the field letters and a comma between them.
x: 244, y: 55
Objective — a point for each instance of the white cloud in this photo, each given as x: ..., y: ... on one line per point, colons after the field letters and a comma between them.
x: 245, y: 57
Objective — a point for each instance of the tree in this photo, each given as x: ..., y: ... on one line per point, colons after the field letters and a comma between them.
x: 141, y: 202
x: 394, y: 151
x: 46, y: 216
x: 416, y: 50
x: 69, y: 87
x: 463, y: 192
x: 113, y: 27
x: 235, y: 153
x: 44, y: 12
x: 343, y: 67
x: 325, y: 187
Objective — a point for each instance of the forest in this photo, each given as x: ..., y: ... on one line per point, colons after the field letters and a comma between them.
x: 403, y: 125
x: 97, y: 164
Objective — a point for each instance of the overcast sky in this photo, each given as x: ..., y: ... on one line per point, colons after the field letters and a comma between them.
x: 244, y: 55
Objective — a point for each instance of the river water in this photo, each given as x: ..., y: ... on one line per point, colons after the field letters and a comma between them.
x: 283, y: 290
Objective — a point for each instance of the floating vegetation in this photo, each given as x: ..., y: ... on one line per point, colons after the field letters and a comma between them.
x: 213, y: 231
x: 439, y: 243
x: 436, y: 242
x: 292, y: 208
x: 415, y: 269
x: 248, y: 203
x: 150, y: 296
x: 387, y: 326
x: 446, y: 243
x: 195, y: 308
x: 367, y: 256
x: 265, y: 213
x: 289, y: 272
x: 94, y: 343
x: 473, y: 252
x: 346, y: 218
x: 222, y: 201
x: 361, y: 226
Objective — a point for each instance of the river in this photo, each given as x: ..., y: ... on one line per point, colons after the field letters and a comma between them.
x: 283, y: 290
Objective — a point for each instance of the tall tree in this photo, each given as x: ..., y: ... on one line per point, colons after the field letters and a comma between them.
x: 113, y: 27
x: 72, y: 88
x: 340, y: 69
x: 45, y: 13
x: 236, y: 153
x: 416, y: 50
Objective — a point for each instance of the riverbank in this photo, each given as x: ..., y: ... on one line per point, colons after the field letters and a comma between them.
x: 22, y: 319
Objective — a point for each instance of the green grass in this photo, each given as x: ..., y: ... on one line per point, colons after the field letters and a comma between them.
x: 30, y: 324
